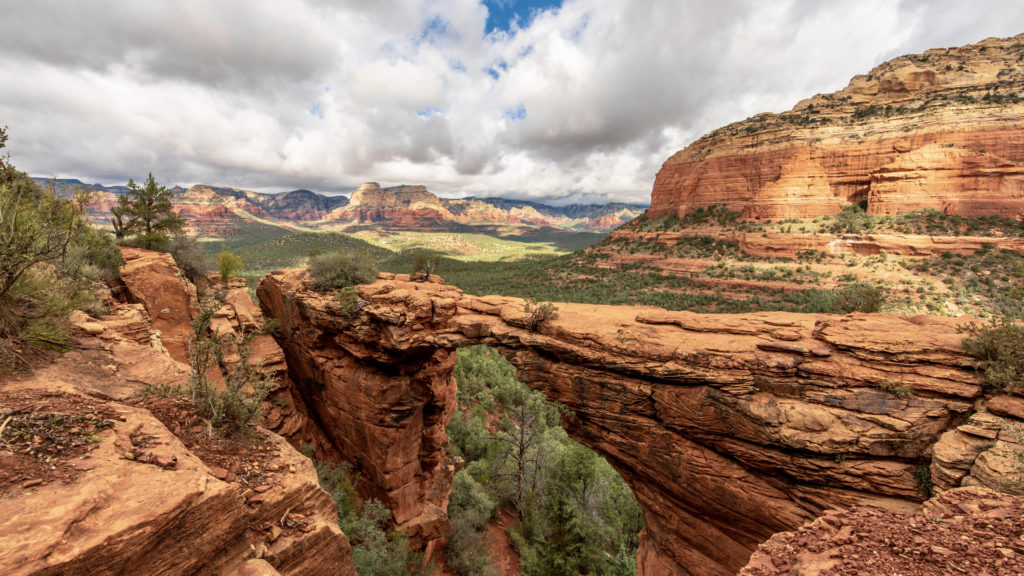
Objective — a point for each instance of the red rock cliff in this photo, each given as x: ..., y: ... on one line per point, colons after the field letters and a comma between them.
x: 728, y: 428
x: 942, y: 130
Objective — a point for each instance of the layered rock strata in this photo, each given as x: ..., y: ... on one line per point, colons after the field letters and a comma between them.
x: 137, y: 500
x: 942, y: 130
x: 728, y: 428
x: 381, y: 396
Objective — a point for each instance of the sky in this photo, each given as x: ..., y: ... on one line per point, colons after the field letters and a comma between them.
x: 559, y: 101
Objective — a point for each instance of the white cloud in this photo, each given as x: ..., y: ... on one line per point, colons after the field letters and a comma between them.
x: 585, y: 102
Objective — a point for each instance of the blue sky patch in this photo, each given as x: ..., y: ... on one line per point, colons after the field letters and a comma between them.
x: 515, y: 114
x: 502, y: 13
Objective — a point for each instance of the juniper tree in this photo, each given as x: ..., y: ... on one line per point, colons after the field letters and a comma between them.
x: 147, y: 212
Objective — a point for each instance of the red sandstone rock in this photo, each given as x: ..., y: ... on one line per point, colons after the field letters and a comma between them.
x: 963, y: 531
x: 384, y: 400
x: 933, y: 139
x: 153, y: 280
x: 728, y: 428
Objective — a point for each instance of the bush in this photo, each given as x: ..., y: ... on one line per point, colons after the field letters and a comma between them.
x: 49, y: 257
x: 246, y: 384
x: 540, y: 313
x: 469, y: 509
x: 999, y: 350
x: 375, y: 551
x: 190, y: 257
x: 228, y: 264
x: 340, y: 269
x: 860, y: 297
x: 348, y: 299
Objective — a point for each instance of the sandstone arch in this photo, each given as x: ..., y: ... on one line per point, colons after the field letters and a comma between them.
x: 728, y: 428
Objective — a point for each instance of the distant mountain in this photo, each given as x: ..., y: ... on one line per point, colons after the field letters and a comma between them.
x: 216, y: 211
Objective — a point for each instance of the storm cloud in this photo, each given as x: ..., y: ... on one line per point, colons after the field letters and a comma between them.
x: 581, y: 100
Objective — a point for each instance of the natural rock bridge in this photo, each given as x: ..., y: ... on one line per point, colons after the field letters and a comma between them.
x: 728, y: 428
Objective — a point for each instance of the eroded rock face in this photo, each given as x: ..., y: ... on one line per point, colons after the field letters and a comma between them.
x: 153, y: 280
x: 728, y: 428
x: 941, y: 130
x: 382, y: 395
x: 137, y: 500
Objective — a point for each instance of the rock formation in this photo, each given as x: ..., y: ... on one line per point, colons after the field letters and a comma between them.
x: 95, y: 483
x: 728, y: 428
x: 153, y: 280
x: 942, y: 130
x: 383, y: 401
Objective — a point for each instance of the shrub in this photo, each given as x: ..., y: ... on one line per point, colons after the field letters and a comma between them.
x: 375, y: 552
x: 49, y: 256
x: 896, y: 389
x: 425, y: 265
x: 540, y: 313
x: 190, y: 257
x: 246, y: 384
x: 859, y: 297
x: 348, y: 299
x: 998, y: 349
x: 340, y: 269
x: 228, y: 264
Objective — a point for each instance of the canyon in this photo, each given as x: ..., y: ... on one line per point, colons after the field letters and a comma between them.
x: 727, y: 428
x: 738, y: 434
x: 941, y: 130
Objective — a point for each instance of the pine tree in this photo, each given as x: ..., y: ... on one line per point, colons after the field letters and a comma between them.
x: 147, y: 212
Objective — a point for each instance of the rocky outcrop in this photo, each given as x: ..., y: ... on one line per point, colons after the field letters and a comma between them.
x: 382, y: 397
x: 153, y: 280
x: 370, y: 196
x: 966, y: 531
x: 728, y: 428
x: 942, y: 130
x: 94, y: 482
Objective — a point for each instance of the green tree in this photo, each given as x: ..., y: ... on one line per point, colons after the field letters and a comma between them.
x: 49, y: 255
x: 147, y: 212
x: 228, y: 264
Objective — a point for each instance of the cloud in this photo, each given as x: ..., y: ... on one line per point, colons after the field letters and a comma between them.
x: 582, y: 100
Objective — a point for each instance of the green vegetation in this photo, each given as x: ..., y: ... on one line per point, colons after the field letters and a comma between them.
x: 539, y: 313
x: 147, y: 214
x: 348, y: 299
x: 292, y: 250
x: 49, y: 258
x: 189, y: 255
x: 998, y: 348
x: 228, y: 264
x: 426, y: 264
x: 923, y: 476
x: 341, y: 269
x: 896, y: 389
x: 859, y: 297
x: 246, y: 384
x: 376, y: 551
x: 574, y: 514
x: 990, y: 280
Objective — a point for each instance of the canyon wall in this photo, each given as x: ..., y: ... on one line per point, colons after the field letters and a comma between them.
x: 941, y: 130
x: 728, y: 428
